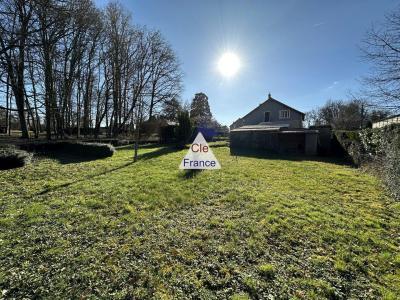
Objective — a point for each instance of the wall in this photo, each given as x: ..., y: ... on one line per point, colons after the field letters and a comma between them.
x: 284, y: 142
x: 394, y: 120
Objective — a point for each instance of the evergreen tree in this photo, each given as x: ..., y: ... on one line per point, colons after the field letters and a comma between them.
x: 171, y: 109
x: 184, y: 129
x: 200, y: 112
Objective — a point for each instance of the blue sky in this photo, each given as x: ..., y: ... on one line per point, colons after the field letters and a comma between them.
x: 303, y: 52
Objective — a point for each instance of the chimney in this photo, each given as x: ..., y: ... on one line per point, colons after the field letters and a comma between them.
x: 269, y: 95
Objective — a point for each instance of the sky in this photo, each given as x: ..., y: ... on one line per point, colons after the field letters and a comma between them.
x: 303, y: 52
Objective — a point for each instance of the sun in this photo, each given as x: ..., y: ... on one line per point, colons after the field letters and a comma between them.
x: 228, y: 64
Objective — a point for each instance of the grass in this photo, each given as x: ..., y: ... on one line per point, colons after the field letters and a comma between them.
x: 267, y: 271
x: 257, y: 228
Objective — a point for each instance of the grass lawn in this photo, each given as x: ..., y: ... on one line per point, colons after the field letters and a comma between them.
x: 256, y: 229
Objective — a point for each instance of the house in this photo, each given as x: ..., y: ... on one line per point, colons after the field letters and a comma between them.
x: 391, y: 120
x: 272, y: 112
x: 273, y: 127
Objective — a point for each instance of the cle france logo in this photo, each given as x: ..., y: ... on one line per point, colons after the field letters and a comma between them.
x: 199, y: 156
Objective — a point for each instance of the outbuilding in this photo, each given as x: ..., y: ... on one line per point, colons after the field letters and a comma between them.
x: 275, y: 139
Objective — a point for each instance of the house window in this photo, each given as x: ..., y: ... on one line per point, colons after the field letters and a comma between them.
x: 284, y: 114
x: 266, y: 116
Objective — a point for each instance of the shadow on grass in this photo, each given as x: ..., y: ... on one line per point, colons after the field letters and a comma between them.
x: 157, y: 153
x: 67, y: 184
x: 66, y: 158
x: 189, y: 174
x: 62, y: 158
x: 289, y: 156
x: 141, y: 146
x: 219, y: 144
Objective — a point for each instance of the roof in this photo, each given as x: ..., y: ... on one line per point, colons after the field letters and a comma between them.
x: 388, y: 118
x: 260, y: 127
x: 273, y: 128
x: 271, y: 99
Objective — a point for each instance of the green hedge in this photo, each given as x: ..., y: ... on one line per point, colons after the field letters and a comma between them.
x: 348, y: 143
x: 93, y: 150
x: 377, y: 146
x: 391, y: 167
x: 10, y: 158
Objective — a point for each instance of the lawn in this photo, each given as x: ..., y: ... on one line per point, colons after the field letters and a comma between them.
x: 256, y: 229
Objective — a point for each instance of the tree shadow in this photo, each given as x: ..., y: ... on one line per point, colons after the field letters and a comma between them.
x: 141, y: 146
x: 67, y: 184
x: 157, y: 153
x: 66, y: 158
x: 73, y: 158
x: 265, y: 154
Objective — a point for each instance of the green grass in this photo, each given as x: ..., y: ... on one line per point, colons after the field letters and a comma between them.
x: 267, y: 271
x: 257, y: 228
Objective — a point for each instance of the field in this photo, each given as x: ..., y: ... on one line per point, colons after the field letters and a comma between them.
x: 256, y: 229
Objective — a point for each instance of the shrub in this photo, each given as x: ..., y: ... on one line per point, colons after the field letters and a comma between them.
x: 93, y: 150
x: 391, y: 167
x: 381, y: 146
x: 11, y: 158
x: 168, y: 134
x: 114, y: 142
x: 348, y: 143
x: 184, y: 129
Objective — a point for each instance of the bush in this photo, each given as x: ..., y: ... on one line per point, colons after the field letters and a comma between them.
x: 93, y: 150
x: 11, y: 158
x: 114, y: 142
x: 168, y: 134
x: 381, y: 146
x: 391, y: 168
x: 348, y: 144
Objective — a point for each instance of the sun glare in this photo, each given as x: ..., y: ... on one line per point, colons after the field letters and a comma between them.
x: 228, y: 64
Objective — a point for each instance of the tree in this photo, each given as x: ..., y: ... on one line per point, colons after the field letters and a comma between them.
x: 345, y: 115
x: 75, y: 66
x: 171, y: 109
x: 381, y: 48
x: 184, y: 129
x: 166, y: 77
x: 200, y: 112
x: 16, y: 22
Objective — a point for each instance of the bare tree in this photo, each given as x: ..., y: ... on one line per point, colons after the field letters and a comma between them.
x: 72, y: 66
x: 347, y: 115
x: 166, y: 77
x: 15, y: 28
x: 381, y: 48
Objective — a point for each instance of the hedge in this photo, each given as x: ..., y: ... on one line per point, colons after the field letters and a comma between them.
x: 93, y: 150
x: 379, y: 147
x: 348, y: 143
x: 10, y: 158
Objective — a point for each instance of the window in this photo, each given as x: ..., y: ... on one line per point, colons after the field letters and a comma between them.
x: 266, y: 116
x: 284, y: 114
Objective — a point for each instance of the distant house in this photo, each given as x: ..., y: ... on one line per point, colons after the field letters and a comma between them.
x: 272, y: 112
x: 273, y: 127
x: 387, y: 121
